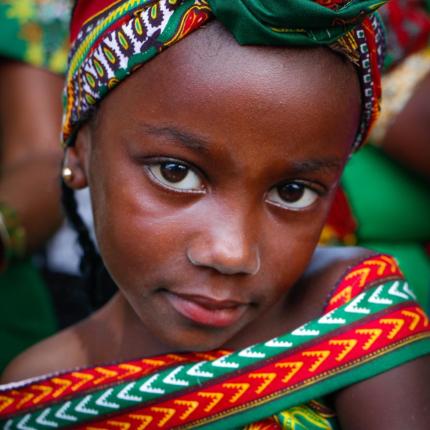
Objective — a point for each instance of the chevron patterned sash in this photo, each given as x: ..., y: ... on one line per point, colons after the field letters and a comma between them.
x: 370, y: 325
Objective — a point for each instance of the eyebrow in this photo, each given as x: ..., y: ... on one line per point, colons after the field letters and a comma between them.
x: 316, y: 165
x: 174, y: 134
x: 199, y: 143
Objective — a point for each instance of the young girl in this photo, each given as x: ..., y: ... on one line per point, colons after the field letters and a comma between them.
x: 211, y: 170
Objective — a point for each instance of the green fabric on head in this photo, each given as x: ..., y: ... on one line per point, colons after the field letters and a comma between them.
x: 111, y: 39
x: 297, y: 22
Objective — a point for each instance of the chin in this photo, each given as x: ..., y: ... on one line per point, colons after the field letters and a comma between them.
x: 196, y: 340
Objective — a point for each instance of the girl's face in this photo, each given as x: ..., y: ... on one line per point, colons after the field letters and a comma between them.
x: 211, y: 172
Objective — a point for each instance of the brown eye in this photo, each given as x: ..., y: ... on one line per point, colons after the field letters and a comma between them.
x: 291, y: 192
x: 173, y: 172
x: 292, y: 195
x: 176, y: 176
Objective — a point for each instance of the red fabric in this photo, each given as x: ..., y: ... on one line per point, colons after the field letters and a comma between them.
x: 340, y: 218
x: 84, y: 10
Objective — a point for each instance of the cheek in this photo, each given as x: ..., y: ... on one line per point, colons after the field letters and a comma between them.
x: 133, y: 232
x: 137, y: 244
x: 290, y: 244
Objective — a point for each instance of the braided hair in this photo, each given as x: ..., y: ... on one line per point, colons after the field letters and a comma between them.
x: 99, y: 286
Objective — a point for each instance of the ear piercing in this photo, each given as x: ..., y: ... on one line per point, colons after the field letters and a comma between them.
x: 67, y: 174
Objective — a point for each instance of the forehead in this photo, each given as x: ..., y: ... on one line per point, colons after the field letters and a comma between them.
x: 215, y: 86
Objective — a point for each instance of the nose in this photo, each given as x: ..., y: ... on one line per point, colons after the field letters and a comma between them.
x: 226, y: 244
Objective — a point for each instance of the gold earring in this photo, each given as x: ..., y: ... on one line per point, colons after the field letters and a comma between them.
x: 67, y: 174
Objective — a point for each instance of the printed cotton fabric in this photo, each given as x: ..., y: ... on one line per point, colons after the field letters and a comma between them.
x: 110, y: 39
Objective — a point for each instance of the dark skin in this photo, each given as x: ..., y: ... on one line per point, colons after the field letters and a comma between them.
x: 30, y: 123
x: 234, y: 225
x: 407, y: 139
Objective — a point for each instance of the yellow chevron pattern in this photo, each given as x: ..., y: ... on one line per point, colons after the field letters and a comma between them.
x: 5, y: 402
x: 106, y: 374
x: 144, y: 419
x: 391, y: 262
x: 241, y: 389
x: 362, y: 274
x: 348, y: 344
x: 45, y: 391
x: 345, y: 294
x: 26, y: 398
x: 216, y: 398
x: 191, y: 405
x: 373, y: 336
x: 396, y: 322
x: 294, y: 366
x: 321, y: 357
x: 380, y: 264
x: 131, y: 370
x: 120, y: 425
x: 84, y: 378
x: 268, y: 379
x: 63, y: 383
x: 415, y: 319
x: 167, y: 412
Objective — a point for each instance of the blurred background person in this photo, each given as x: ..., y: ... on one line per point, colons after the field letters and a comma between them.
x: 37, y: 272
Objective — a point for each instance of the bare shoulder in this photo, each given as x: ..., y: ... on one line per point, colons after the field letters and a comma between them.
x: 359, y: 406
x: 61, y: 351
x: 93, y: 340
x: 329, y: 265
x: 332, y: 262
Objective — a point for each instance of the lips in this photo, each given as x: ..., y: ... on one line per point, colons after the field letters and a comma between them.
x: 205, y: 310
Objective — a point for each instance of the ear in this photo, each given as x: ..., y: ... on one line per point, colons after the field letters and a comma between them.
x: 76, y: 159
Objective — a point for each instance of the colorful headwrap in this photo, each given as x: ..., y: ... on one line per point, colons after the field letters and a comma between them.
x: 111, y: 38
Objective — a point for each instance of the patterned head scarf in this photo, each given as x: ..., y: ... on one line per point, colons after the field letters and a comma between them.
x: 111, y: 38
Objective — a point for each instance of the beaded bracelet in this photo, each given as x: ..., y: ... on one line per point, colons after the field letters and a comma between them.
x: 12, y: 236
